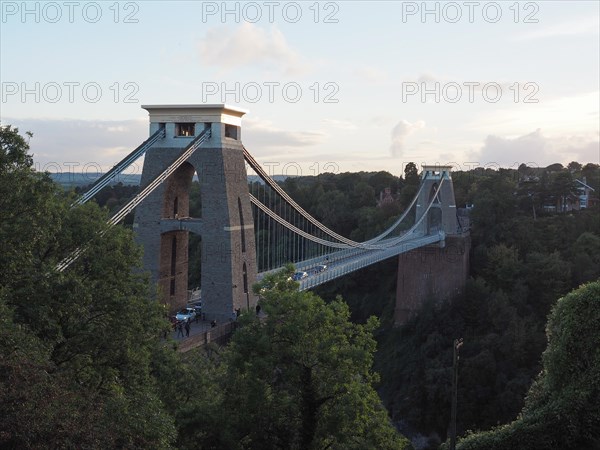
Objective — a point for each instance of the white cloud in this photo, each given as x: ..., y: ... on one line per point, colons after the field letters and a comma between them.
x: 262, y: 134
x: 90, y: 146
x: 249, y: 45
x: 536, y: 149
x: 67, y: 144
x: 400, y: 132
x: 572, y: 115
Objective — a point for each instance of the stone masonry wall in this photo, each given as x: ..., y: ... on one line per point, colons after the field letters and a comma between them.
x: 431, y: 273
x: 222, y: 174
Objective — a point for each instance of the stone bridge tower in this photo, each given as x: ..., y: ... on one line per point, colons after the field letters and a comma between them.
x: 226, y: 226
x: 442, y: 214
x: 437, y: 272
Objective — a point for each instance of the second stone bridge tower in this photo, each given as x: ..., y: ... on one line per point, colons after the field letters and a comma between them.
x: 436, y: 272
x: 226, y: 226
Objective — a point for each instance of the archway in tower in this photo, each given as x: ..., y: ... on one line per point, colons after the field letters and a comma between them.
x: 173, y: 264
x: 432, y: 193
x: 195, y: 240
x: 434, y: 216
x: 434, y: 220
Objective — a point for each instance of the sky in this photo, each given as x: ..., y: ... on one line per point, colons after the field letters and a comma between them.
x: 329, y: 86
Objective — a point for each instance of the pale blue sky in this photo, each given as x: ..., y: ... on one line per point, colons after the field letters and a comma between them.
x: 374, y: 53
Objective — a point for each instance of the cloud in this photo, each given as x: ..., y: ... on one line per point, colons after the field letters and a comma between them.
x: 535, y: 149
x: 262, y: 134
x: 67, y: 144
x: 572, y: 115
x: 580, y: 26
x: 249, y: 45
x: 400, y: 132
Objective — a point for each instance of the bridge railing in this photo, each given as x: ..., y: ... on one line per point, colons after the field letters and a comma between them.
x: 369, y: 257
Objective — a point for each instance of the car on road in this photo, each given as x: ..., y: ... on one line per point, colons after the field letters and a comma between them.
x: 320, y: 268
x: 186, y: 314
x: 197, y: 307
x: 299, y: 276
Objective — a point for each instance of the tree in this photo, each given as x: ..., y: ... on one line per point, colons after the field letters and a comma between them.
x: 381, y: 180
x: 574, y: 166
x: 562, y: 408
x: 591, y: 172
x: 548, y: 278
x: 586, y: 258
x: 494, y: 203
x: 562, y: 187
x: 333, y: 208
x: 300, y: 378
x: 94, y: 326
x: 503, y: 266
x: 362, y: 195
x: 411, y: 174
x: 411, y: 184
x: 556, y: 167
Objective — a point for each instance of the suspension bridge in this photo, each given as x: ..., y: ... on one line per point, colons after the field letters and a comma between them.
x: 248, y: 229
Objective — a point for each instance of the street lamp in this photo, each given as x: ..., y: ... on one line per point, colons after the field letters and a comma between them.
x: 457, y: 345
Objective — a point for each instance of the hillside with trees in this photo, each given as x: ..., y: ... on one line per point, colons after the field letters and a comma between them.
x: 75, y: 346
x: 82, y: 363
x: 561, y: 408
x: 521, y: 263
x: 299, y: 377
x: 529, y: 248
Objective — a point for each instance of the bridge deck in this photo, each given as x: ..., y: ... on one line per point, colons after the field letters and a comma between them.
x: 343, y: 262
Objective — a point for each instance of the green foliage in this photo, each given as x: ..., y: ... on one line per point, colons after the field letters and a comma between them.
x: 90, y: 343
x: 411, y: 174
x: 494, y: 202
x: 13, y: 151
x: 585, y: 255
x: 562, y: 408
x: 415, y: 362
x: 368, y: 292
x: 347, y: 202
x: 75, y: 345
x: 520, y: 265
x: 333, y: 208
x: 502, y: 267
x: 548, y: 277
x: 299, y: 378
x: 112, y: 196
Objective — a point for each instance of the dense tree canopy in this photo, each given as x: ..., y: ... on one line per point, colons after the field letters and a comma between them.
x: 75, y: 345
x: 562, y: 408
x: 521, y: 264
x: 299, y: 377
x: 81, y: 364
